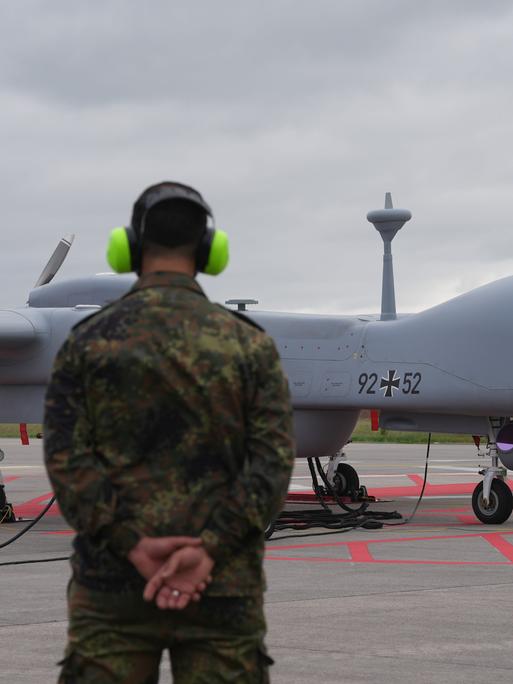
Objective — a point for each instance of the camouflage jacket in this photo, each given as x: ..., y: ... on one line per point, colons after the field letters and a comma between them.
x: 167, y: 414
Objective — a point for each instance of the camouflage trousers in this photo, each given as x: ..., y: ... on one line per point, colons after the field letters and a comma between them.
x: 118, y: 637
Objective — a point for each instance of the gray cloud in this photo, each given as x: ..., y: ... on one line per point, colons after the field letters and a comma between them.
x: 293, y: 118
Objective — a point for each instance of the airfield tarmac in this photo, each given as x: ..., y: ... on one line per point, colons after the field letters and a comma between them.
x: 427, y: 602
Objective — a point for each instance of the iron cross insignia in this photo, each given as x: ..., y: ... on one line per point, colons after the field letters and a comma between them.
x: 390, y: 383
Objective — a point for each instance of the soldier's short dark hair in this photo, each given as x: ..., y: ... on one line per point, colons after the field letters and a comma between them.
x: 173, y: 223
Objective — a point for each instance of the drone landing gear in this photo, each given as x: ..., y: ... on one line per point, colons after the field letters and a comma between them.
x: 492, y: 499
x: 343, y: 478
x: 7, y: 514
x: 6, y: 510
x: 340, y: 486
x: 495, y: 508
x: 346, y: 481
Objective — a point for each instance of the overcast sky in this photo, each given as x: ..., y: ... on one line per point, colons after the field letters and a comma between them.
x: 292, y: 118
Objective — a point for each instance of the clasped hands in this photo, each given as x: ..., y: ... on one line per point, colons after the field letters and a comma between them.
x: 177, y: 569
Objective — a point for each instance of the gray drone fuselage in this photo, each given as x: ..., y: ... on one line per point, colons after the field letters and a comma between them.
x: 446, y: 369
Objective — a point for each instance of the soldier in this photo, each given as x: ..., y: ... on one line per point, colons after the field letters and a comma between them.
x: 168, y: 442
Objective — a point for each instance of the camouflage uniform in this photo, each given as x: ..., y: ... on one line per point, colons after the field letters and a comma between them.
x: 167, y: 414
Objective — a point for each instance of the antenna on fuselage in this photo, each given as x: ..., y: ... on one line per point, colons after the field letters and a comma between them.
x: 55, y: 261
x: 388, y: 222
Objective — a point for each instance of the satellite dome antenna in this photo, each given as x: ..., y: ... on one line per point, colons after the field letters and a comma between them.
x: 388, y: 222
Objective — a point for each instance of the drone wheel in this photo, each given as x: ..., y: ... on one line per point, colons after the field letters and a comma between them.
x: 346, y: 480
x: 499, y: 507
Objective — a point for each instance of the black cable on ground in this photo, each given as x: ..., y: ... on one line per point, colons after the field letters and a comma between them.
x: 30, y: 525
x: 40, y: 560
x: 410, y: 518
x: 339, y: 522
x: 338, y: 525
x: 24, y: 531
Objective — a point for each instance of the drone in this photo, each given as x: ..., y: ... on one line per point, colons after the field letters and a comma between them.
x: 433, y: 371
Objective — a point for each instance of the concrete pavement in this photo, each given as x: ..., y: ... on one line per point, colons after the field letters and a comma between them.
x: 426, y: 602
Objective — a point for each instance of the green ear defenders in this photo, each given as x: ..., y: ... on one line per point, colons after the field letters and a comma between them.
x: 124, y: 251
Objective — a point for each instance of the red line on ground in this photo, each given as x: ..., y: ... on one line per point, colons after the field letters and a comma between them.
x: 359, y: 552
x: 319, y: 545
x: 397, y: 492
x: 431, y: 490
x: 444, y: 511
x: 497, y: 541
x: 33, y: 507
x: 468, y: 520
x: 11, y: 478
x: 429, y: 525
x: 307, y: 559
x: 65, y: 532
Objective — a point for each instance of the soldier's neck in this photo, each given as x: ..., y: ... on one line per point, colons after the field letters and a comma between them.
x: 175, y: 264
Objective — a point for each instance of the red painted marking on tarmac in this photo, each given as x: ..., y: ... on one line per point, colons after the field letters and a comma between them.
x: 383, y: 562
x: 468, y: 520
x: 397, y: 492
x: 497, y: 541
x: 434, y: 537
x: 11, y: 478
x: 431, y: 490
x: 443, y: 511
x: 408, y: 490
x: 429, y: 525
x: 60, y: 532
x: 359, y: 552
x: 399, y: 540
x: 33, y: 507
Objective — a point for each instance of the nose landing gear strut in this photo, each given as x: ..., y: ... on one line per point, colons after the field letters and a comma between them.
x: 492, y: 500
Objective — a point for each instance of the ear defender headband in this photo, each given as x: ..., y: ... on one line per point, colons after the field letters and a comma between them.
x: 124, y: 251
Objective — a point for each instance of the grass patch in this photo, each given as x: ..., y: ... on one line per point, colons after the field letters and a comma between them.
x: 362, y: 433
x: 13, y: 430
